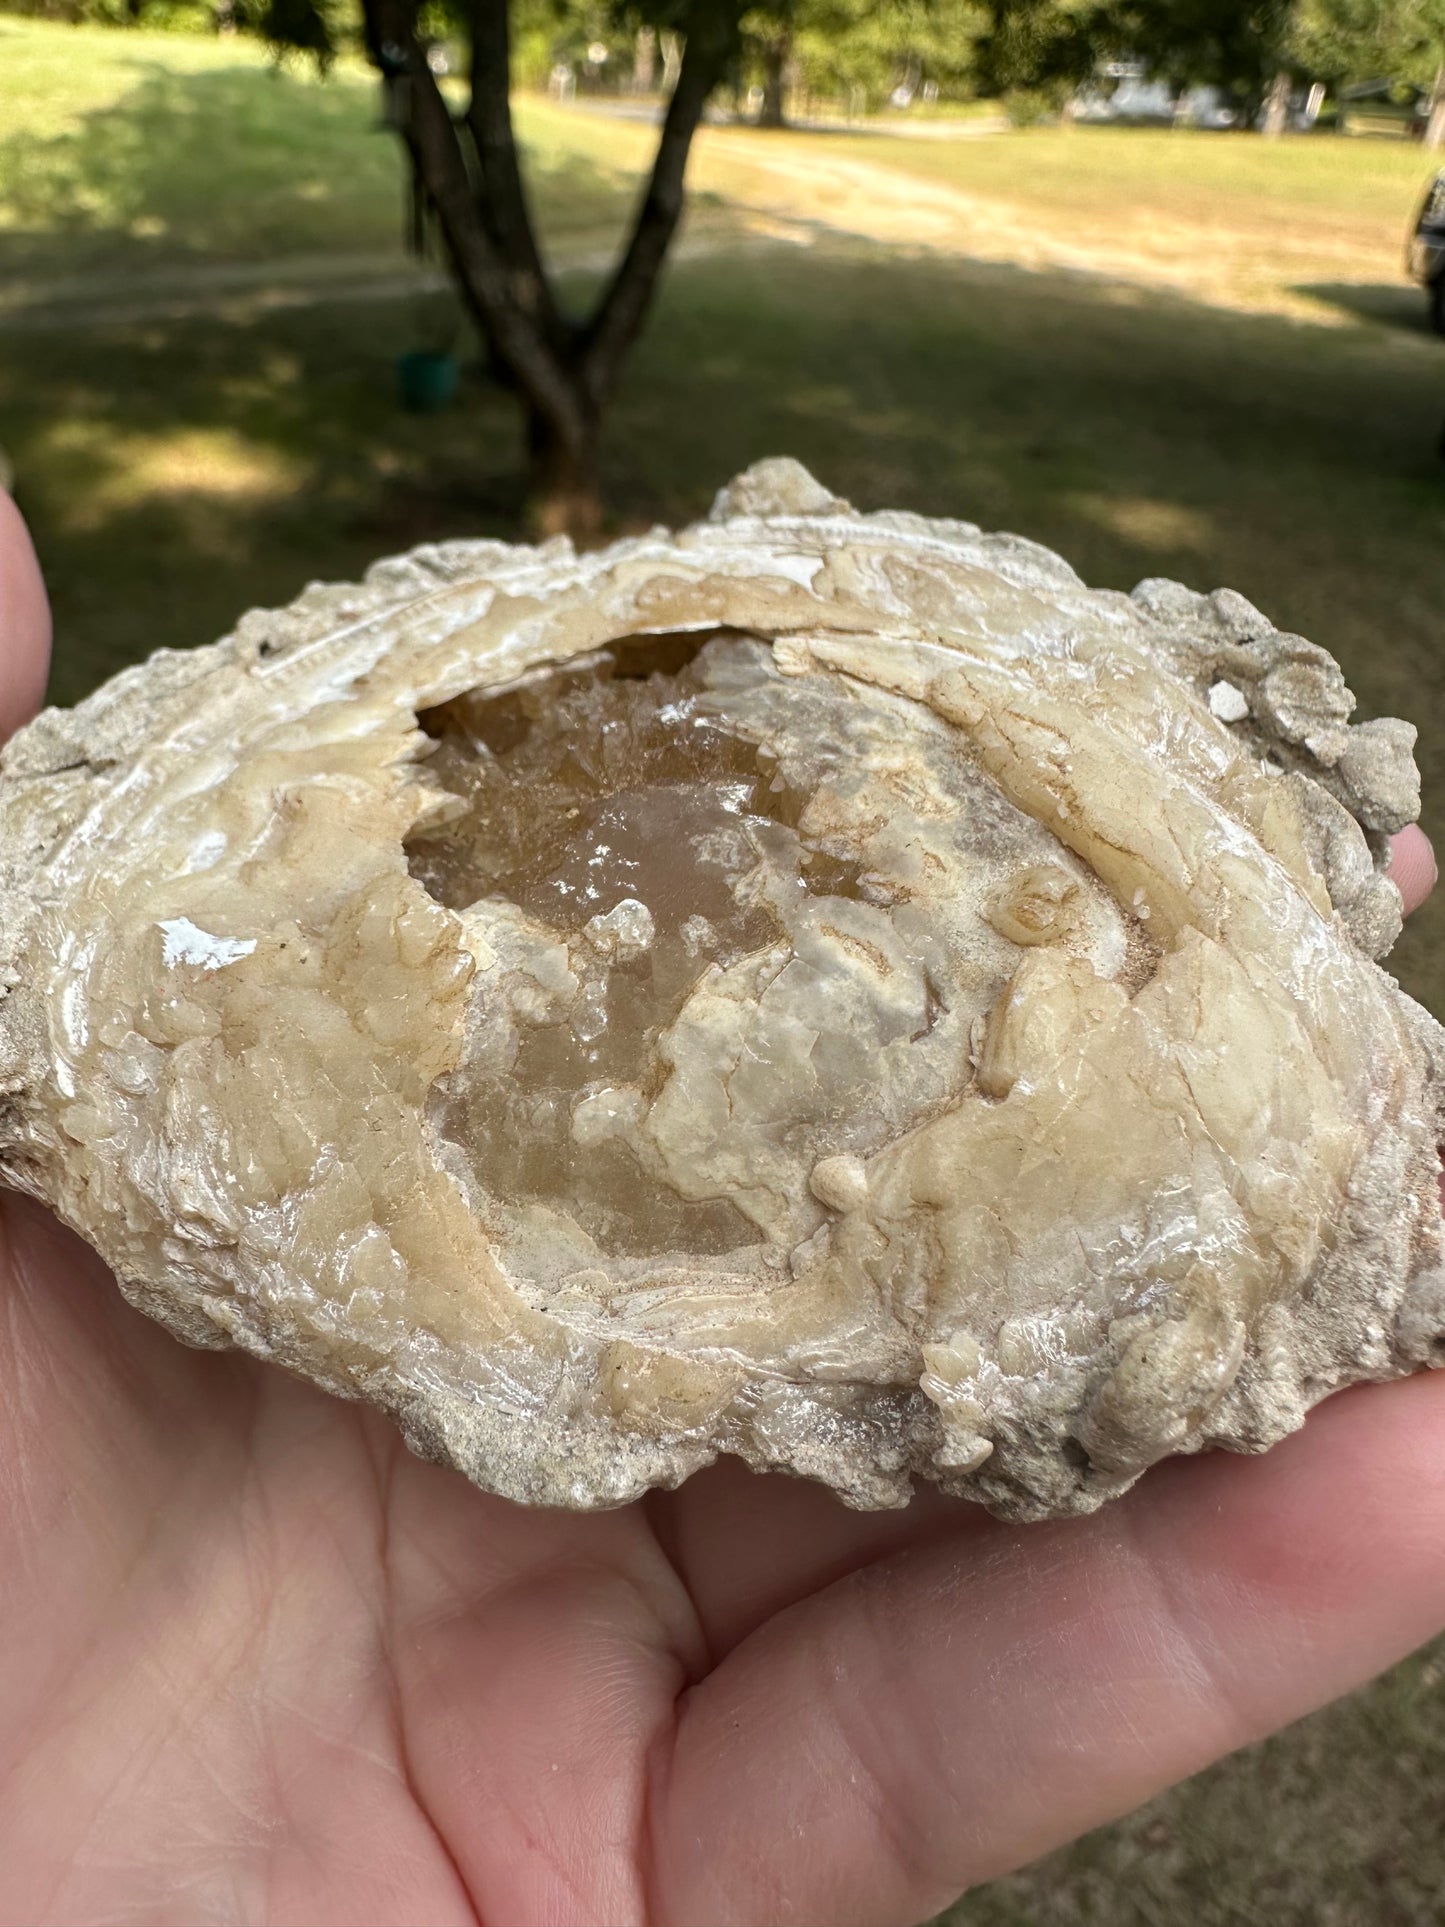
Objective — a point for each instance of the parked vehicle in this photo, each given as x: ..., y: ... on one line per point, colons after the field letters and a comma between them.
x: 1425, y: 256
x: 1125, y: 96
x: 1383, y: 107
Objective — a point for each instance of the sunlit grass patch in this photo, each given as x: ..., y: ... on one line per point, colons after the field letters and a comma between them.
x: 1168, y: 527
x: 121, y: 152
x: 112, y: 472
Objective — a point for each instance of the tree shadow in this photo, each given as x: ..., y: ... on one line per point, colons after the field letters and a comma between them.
x: 221, y: 164
x: 1386, y: 304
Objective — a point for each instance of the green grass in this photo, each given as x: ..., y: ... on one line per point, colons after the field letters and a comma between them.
x: 1305, y: 225
x: 151, y: 149
x: 124, y: 152
x: 1181, y: 175
x: 178, y: 471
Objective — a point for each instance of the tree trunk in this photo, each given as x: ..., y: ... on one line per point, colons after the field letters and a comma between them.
x: 1276, y: 107
x: 776, y: 56
x: 644, y: 60
x: 671, y: 45
x: 1435, y: 127
x: 561, y: 372
x: 502, y: 202
x: 564, y: 485
x: 618, y: 317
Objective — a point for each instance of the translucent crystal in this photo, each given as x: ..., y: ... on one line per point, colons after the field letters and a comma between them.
x: 697, y: 845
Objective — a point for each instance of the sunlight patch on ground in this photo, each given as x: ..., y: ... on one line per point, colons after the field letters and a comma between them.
x: 188, y: 464
x: 1164, y: 527
x: 214, y: 461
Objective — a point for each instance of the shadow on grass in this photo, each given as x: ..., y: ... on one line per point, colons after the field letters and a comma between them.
x: 1388, y: 304
x: 212, y: 165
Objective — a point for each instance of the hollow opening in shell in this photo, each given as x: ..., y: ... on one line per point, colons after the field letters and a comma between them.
x: 728, y: 923
x: 614, y: 803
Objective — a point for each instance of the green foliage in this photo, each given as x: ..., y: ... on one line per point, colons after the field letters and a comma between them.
x: 833, y: 46
x: 1040, y: 50
x: 1032, y: 106
x: 1051, y: 46
x: 544, y: 32
x: 1237, y: 45
x: 318, y: 28
x: 1342, y: 41
x: 843, y: 46
x: 549, y: 33
x: 1033, y: 53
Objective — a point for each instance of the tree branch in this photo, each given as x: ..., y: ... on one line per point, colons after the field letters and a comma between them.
x: 485, y: 279
x: 622, y: 308
x: 503, y: 199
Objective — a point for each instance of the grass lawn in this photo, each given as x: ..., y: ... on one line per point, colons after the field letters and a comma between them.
x: 127, y: 152
x: 132, y: 150
x: 1314, y: 227
x: 1306, y: 225
x: 1184, y: 412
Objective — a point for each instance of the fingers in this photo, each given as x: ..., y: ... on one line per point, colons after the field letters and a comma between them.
x: 24, y: 623
x: 1412, y: 869
x: 1414, y: 872
x: 747, y: 1544
x: 961, y: 1708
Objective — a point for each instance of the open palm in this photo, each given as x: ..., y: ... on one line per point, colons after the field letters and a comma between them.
x: 259, y: 1664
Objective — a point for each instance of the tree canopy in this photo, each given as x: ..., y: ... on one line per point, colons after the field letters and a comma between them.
x: 1056, y: 45
x: 833, y: 48
x: 1344, y: 41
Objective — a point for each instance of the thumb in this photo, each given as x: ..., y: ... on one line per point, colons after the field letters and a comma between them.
x: 24, y: 623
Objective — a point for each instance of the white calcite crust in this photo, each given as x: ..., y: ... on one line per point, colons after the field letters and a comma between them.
x: 921, y: 1020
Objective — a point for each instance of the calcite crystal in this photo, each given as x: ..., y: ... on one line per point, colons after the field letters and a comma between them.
x: 829, y: 988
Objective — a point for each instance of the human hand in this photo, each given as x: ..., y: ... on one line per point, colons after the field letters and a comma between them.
x: 260, y: 1664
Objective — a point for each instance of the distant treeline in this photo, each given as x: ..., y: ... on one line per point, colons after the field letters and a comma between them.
x: 1262, y: 58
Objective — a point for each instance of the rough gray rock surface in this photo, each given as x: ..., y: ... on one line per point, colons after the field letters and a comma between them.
x: 822, y: 987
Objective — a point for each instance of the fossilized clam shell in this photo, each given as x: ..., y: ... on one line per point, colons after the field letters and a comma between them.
x: 822, y: 987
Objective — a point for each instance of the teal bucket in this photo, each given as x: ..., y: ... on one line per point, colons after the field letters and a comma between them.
x: 427, y: 381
